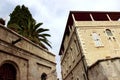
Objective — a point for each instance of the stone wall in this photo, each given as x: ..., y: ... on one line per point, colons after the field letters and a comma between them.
x: 105, y: 70
x: 89, y: 48
x: 72, y: 59
x: 29, y: 59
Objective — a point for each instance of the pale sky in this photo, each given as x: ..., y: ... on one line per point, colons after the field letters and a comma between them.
x: 54, y: 14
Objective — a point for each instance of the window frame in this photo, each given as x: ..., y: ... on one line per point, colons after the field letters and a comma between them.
x: 109, y: 32
x: 97, y: 40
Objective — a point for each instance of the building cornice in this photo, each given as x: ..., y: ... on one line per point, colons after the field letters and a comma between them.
x: 26, y: 39
x: 4, y: 43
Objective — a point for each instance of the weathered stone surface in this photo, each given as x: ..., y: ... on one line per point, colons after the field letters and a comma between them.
x: 30, y: 60
x: 90, y: 48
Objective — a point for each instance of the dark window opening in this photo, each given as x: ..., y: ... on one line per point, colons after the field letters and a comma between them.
x: 43, y: 76
x: 7, y: 72
x: 109, y: 33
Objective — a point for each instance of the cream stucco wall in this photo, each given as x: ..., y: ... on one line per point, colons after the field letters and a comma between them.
x: 110, y: 48
x: 80, y: 43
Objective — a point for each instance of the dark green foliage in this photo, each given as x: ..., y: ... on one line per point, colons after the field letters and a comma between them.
x: 23, y: 23
x: 20, y: 16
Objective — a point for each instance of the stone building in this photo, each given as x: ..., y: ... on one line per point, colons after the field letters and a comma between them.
x: 90, y: 48
x: 21, y: 59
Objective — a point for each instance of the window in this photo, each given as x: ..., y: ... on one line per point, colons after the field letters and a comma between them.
x: 43, y: 76
x: 96, y: 39
x: 8, y: 72
x: 76, y: 47
x: 109, y: 33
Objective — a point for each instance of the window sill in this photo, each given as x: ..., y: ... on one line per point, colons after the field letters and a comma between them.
x: 100, y: 46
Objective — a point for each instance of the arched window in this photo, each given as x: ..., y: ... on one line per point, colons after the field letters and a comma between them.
x: 109, y: 33
x: 77, y: 79
x: 43, y: 76
x: 8, y: 72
